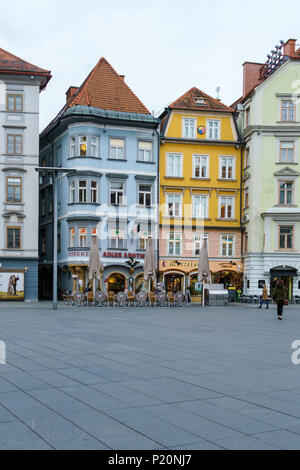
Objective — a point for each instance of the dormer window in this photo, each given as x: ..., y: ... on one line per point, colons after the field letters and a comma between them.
x: 200, y: 100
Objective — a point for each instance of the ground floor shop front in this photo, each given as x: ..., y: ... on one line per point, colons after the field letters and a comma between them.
x: 266, y: 270
x: 19, y: 279
x: 182, y: 274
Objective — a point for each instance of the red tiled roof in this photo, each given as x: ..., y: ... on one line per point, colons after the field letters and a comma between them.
x: 10, y: 63
x: 105, y: 89
x: 187, y: 101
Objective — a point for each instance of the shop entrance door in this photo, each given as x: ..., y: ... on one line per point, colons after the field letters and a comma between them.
x: 174, y: 282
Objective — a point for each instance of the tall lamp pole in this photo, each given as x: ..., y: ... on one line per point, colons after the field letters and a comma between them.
x: 55, y: 171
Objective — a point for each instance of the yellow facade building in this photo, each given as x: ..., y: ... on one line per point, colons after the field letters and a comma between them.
x: 200, y: 191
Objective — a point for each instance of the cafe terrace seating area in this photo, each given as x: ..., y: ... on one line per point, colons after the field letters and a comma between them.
x: 125, y: 299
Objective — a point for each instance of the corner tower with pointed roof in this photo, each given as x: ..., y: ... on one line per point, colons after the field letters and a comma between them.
x: 110, y: 139
x: 20, y: 85
x: 200, y: 192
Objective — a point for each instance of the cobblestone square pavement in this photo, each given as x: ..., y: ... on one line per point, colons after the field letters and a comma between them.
x: 149, y: 378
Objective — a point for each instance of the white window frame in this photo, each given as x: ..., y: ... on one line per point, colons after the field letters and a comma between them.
x: 194, y: 206
x: 175, y: 154
x: 72, y: 192
x: 212, y: 137
x: 83, y: 189
x: 115, y: 190
x: 172, y: 195
x: 94, y: 146
x: 80, y: 141
x: 82, y: 237
x: 233, y: 207
x: 117, y: 147
x: 227, y: 167
x: 174, y: 237
x: 72, y: 146
x: 144, y: 195
x: 94, y: 192
x: 200, y: 165
x: 198, y: 239
x: 227, y: 255
x: 192, y: 129
x: 145, y: 144
x: 72, y: 237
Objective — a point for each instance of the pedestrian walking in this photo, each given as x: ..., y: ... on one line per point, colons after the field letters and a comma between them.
x: 280, y: 297
x: 264, y: 297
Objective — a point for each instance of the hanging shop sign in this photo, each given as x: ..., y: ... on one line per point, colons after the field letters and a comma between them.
x: 120, y: 254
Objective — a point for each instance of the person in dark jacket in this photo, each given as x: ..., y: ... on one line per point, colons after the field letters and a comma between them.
x: 280, y: 295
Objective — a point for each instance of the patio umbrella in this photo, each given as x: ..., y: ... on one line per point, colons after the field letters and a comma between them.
x: 94, y: 263
x: 203, y: 266
x: 150, y: 261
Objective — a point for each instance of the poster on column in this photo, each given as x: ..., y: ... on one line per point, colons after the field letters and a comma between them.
x: 11, y: 285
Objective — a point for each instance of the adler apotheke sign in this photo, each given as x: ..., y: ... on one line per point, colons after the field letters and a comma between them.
x: 107, y: 254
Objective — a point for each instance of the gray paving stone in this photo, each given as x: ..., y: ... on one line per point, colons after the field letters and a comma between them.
x: 93, y: 398
x: 246, y: 443
x: 283, y: 439
x: 128, y: 397
x: 16, y: 436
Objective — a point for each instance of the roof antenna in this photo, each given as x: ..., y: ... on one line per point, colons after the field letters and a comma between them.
x: 218, y: 89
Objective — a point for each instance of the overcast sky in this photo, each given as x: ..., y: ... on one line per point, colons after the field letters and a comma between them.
x: 163, y: 47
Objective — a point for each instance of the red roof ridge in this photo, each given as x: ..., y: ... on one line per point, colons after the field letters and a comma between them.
x: 83, y: 91
x: 213, y: 103
x: 35, y: 69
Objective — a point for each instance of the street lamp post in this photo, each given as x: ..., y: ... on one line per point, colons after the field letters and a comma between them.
x: 55, y: 171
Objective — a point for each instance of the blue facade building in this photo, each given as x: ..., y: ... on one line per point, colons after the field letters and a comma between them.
x: 109, y: 142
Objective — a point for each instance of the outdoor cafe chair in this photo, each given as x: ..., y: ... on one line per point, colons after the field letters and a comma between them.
x: 78, y: 299
x: 90, y: 299
x: 130, y: 298
x: 171, y: 299
x: 161, y: 299
x: 121, y: 299
x: 111, y: 298
x: 179, y: 299
x: 152, y: 299
x: 141, y: 299
x: 101, y: 299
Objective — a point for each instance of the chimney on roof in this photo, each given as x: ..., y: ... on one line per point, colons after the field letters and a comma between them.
x: 289, y: 47
x: 71, y: 91
x: 251, y: 73
x: 123, y: 77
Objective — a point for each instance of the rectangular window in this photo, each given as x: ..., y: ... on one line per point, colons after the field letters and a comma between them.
x: 227, y: 245
x: 72, y: 146
x: 82, y: 191
x: 83, y: 237
x: 14, y: 144
x: 174, y: 246
x: 226, y: 207
x: 287, y: 152
x: 13, y: 237
x: 213, y: 129
x: 94, y: 191
x: 72, y: 192
x: 145, y: 151
x: 174, y: 164
x: 72, y: 237
x: 286, y: 237
x: 14, y: 103
x: 174, y: 205
x: 117, y: 193
x: 117, y: 149
x: 198, y: 241
x: 288, y: 110
x: 117, y: 238
x: 94, y: 146
x: 286, y: 191
x: 189, y: 127
x: 83, y: 145
x: 199, y: 206
x: 145, y: 195
x: 200, y: 166
x: 13, y: 189
x: 226, y: 167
